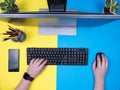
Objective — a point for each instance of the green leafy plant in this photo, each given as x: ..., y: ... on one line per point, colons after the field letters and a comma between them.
x: 111, y: 6
x: 9, y: 6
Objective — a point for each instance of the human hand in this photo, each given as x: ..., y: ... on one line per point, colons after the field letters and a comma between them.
x: 101, y: 68
x: 36, y: 66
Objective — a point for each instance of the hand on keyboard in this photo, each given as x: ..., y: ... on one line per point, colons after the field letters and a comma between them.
x: 59, y: 56
x: 36, y: 66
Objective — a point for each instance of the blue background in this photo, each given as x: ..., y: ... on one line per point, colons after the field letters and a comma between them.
x: 96, y: 35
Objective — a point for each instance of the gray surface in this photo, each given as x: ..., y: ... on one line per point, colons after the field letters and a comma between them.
x: 57, y: 27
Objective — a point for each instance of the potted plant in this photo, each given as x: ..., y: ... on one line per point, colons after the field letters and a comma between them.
x: 111, y: 7
x: 9, y: 6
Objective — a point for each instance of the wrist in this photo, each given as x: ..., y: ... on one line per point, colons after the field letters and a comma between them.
x: 99, y: 81
x: 99, y: 85
x: 26, y: 81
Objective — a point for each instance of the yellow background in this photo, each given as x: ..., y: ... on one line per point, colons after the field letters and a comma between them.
x: 9, y: 80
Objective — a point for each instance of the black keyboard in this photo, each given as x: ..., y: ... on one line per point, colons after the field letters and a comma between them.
x: 59, y: 56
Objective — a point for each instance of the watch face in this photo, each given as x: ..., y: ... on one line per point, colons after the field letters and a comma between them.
x: 27, y: 77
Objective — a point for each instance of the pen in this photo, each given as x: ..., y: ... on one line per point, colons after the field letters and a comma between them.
x: 11, y: 28
x: 5, y: 39
x: 4, y: 33
x: 12, y: 33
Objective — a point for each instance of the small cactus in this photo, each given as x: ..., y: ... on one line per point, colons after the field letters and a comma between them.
x: 111, y: 6
x: 9, y: 6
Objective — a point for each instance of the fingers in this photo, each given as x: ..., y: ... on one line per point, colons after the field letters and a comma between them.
x: 43, y: 64
x: 94, y: 65
x: 104, y: 61
x: 101, y: 63
x: 98, y: 61
x: 38, y: 62
x: 32, y: 61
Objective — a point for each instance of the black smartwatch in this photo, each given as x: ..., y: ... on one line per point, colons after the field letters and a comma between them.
x: 26, y: 76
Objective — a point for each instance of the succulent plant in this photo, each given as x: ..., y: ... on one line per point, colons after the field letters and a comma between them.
x: 111, y: 6
x: 9, y: 6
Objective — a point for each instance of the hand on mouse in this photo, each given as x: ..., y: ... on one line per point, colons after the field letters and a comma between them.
x: 36, y: 66
x: 101, y: 68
